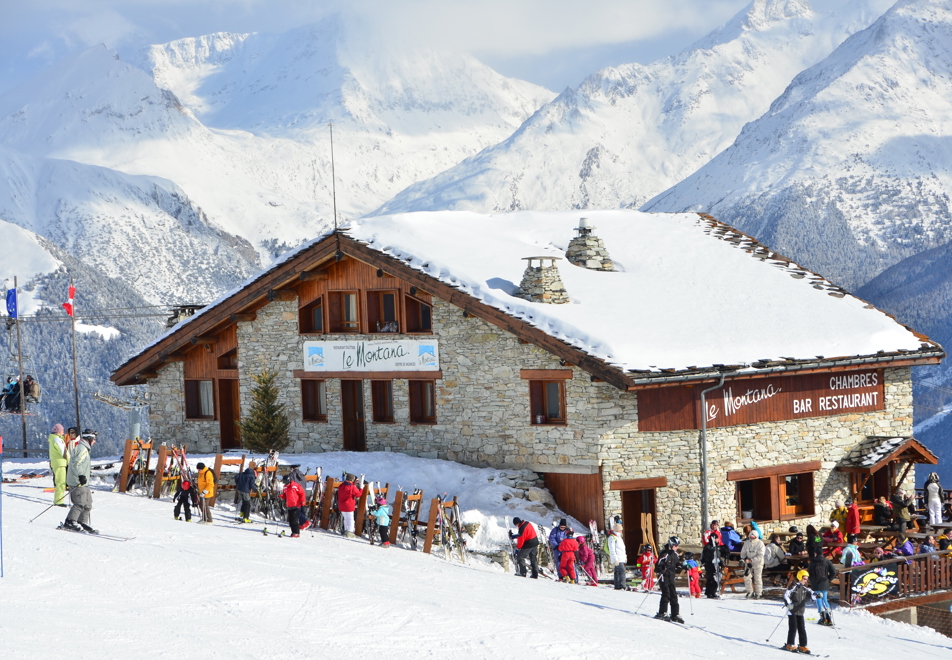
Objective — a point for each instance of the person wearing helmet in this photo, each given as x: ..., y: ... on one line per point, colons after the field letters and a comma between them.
x: 668, y: 566
x: 795, y: 598
x: 646, y: 562
x: 183, y: 499
x: 382, y: 513
x: 568, y: 551
x: 77, y: 478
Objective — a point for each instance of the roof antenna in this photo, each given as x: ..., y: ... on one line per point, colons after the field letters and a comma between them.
x: 338, y: 255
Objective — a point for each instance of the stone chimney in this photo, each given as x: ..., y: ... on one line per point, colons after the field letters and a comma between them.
x: 587, y: 250
x: 542, y: 283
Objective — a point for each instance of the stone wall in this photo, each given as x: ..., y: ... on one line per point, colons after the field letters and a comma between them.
x: 543, y: 284
x: 166, y: 396
x: 588, y: 251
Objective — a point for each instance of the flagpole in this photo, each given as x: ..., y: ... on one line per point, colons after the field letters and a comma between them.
x: 16, y: 302
x: 72, y: 318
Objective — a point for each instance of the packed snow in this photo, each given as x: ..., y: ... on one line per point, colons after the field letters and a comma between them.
x: 228, y: 592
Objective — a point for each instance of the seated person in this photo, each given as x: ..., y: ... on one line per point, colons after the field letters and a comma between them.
x: 797, y: 546
x: 882, y: 512
x: 833, y: 535
x: 927, y: 546
x: 775, y: 559
x: 945, y: 540
x: 730, y: 538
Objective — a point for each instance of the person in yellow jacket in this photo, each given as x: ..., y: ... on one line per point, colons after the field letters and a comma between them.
x: 839, y: 514
x: 206, y: 490
x: 59, y: 459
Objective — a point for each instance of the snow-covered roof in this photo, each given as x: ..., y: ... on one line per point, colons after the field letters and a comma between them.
x: 689, y: 295
x: 876, y: 449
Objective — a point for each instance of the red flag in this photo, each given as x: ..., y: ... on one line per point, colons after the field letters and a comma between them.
x: 68, y: 305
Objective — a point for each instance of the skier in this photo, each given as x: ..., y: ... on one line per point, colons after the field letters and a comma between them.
x: 59, y: 459
x: 568, y: 549
x: 293, y: 496
x: 646, y: 561
x: 347, y: 496
x: 206, y: 487
x: 244, y: 482
x: 382, y: 514
x: 586, y: 557
x: 668, y: 566
x: 933, y: 491
x: 694, y: 574
x: 556, y: 536
x: 752, y: 554
x: 298, y: 477
x: 821, y: 571
x: 796, y: 598
x: 617, y: 555
x: 183, y: 499
x: 77, y: 478
x: 711, y: 558
x: 527, y: 542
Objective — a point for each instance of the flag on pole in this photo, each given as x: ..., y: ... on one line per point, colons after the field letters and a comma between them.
x: 12, y: 303
x: 68, y: 305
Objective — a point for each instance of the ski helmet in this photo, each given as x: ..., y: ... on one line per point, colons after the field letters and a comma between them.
x: 673, y: 541
x: 381, y: 499
x: 186, y: 485
x: 802, y: 573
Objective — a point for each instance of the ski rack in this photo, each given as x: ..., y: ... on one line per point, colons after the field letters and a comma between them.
x: 171, y: 475
x: 330, y: 488
x: 444, y: 520
x: 220, y: 460
x: 131, y: 456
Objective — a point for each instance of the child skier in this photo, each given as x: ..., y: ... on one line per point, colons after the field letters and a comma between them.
x: 293, y: 496
x: 568, y: 549
x: 184, y: 497
x: 646, y: 562
x: 694, y: 574
x: 382, y: 514
x: 586, y: 557
x: 668, y: 566
x: 796, y: 598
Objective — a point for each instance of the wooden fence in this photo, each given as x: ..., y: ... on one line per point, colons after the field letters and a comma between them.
x: 918, y: 574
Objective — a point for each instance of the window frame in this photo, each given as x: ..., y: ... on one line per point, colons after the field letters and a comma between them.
x: 773, y: 489
x: 376, y: 311
x: 228, y: 359
x: 313, y: 398
x: 306, y: 318
x: 196, y: 395
x: 421, y: 392
x: 335, y: 312
x: 421, y: 324
x: 539, y: 402
x: 381, y: 401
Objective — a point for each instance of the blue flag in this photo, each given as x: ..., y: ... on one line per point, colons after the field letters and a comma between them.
x: 12, y: 303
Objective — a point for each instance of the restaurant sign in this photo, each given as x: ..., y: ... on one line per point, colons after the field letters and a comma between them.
x: 403, y: 355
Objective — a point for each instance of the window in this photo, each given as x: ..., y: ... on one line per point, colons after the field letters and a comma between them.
x: 779, y: 492
x: 228, y: 360
x: 754, y: 500
x: 313, y: 401
x: 547, y: 401
x: 796, y: 495
x: 422, y: 401
x: 311, y: 317
x: 382, y: 311
x: 419, y: 317
x: 381, y: 392
x: 343, y: 311
x: 199, y: 399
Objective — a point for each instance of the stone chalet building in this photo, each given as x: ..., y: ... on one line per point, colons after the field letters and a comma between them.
x: 578, y: 348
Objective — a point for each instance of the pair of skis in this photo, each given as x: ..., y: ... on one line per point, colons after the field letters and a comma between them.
x: 108, y: 537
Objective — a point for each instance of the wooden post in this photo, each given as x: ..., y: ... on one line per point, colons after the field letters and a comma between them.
x: 361, y: 511
x: 159, y: 472
x: 431, y: 524
x: 217, y: 471
x: 329, y: 485
x: 124, y: 472
x: 395, y: 520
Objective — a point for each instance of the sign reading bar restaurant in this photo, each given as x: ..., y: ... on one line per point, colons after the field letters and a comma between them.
x: 403, y: 355
x: 755, y: 400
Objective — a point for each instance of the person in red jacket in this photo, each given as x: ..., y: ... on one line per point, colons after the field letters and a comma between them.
x: 833, y: 535
x: 568, y: 549
x: 586, y: 557
x: 646, y: 560
x: 852, y: 518
x: 347, y: 495
x: 294, y: 498
x: 527, y: 541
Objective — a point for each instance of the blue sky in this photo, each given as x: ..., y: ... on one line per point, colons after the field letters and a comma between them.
x: 555, y: 43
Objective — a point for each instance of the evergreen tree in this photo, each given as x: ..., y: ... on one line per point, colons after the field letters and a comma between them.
x: 266, y: 425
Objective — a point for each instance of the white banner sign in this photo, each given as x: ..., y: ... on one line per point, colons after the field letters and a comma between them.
x: 405, y: 355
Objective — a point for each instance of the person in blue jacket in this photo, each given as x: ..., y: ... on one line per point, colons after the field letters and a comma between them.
x: 556, y: 536
x: 730, y: 538
x: 382, y: 514
x: 244, y: 482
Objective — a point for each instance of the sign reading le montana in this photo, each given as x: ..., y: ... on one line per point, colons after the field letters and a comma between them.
x: 404, y: 355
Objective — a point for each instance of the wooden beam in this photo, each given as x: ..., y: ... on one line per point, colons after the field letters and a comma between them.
x: 639, y: 484
x: 244, y: 317
x: 160, y: 472
x: 146, y: 375
x: 282, y: 294
x: 773, y: 470
x: 395, y: 519
x: 205, y: 339
x: 369, y: 375
x: 313, y: 275
x: 545, y: 374
x: 124, y: 470
x: 431, y: 524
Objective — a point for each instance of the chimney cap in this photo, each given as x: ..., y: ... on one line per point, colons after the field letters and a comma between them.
x: 541, y: 258
x: 583, y: 223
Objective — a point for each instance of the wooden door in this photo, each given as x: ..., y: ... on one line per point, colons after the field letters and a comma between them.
x: 635, y: 503
x: 352, y: 414
x: 230, y: 413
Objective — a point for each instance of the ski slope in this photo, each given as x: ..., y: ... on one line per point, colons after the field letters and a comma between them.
x: 183, y: 590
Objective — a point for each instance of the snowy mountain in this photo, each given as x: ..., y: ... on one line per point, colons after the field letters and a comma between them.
x: 629, y: 132
x: 849, y: 171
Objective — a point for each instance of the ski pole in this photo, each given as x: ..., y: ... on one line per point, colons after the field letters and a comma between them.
x: 43, y: 511
x: 691, y: 601
x: 775, y: 629
x: 642, y: 602
x: 838, y: 636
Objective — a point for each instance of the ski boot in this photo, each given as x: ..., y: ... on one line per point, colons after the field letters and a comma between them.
x: 789, y: 647
x: 305, y: 525
x: 88, y: 529
x: 295, y: 536
x: 803, y: 649
x: 71, y: 525
x: 246, y: 520
x: 661, y: 616
x: 386, y: 544
x: 676, y: 618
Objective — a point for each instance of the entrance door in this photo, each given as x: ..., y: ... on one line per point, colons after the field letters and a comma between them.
x: 352, y: 413
x: 635, y: 503
x: 229, y: 413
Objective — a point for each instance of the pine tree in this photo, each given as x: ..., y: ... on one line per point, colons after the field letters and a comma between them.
x: 266, y: 425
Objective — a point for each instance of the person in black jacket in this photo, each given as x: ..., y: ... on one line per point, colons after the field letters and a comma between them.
x: 796, y: 547
x: 814, y: 543
x: 527, y: 541
x: 667, y: 567
x: 821, y: 572
x: 795, y: 598
x: 244, y: 482
x: 711, y: 559
x: 184, y: 498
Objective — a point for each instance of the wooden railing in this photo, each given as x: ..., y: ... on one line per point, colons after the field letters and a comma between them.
x: 918, y: 574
